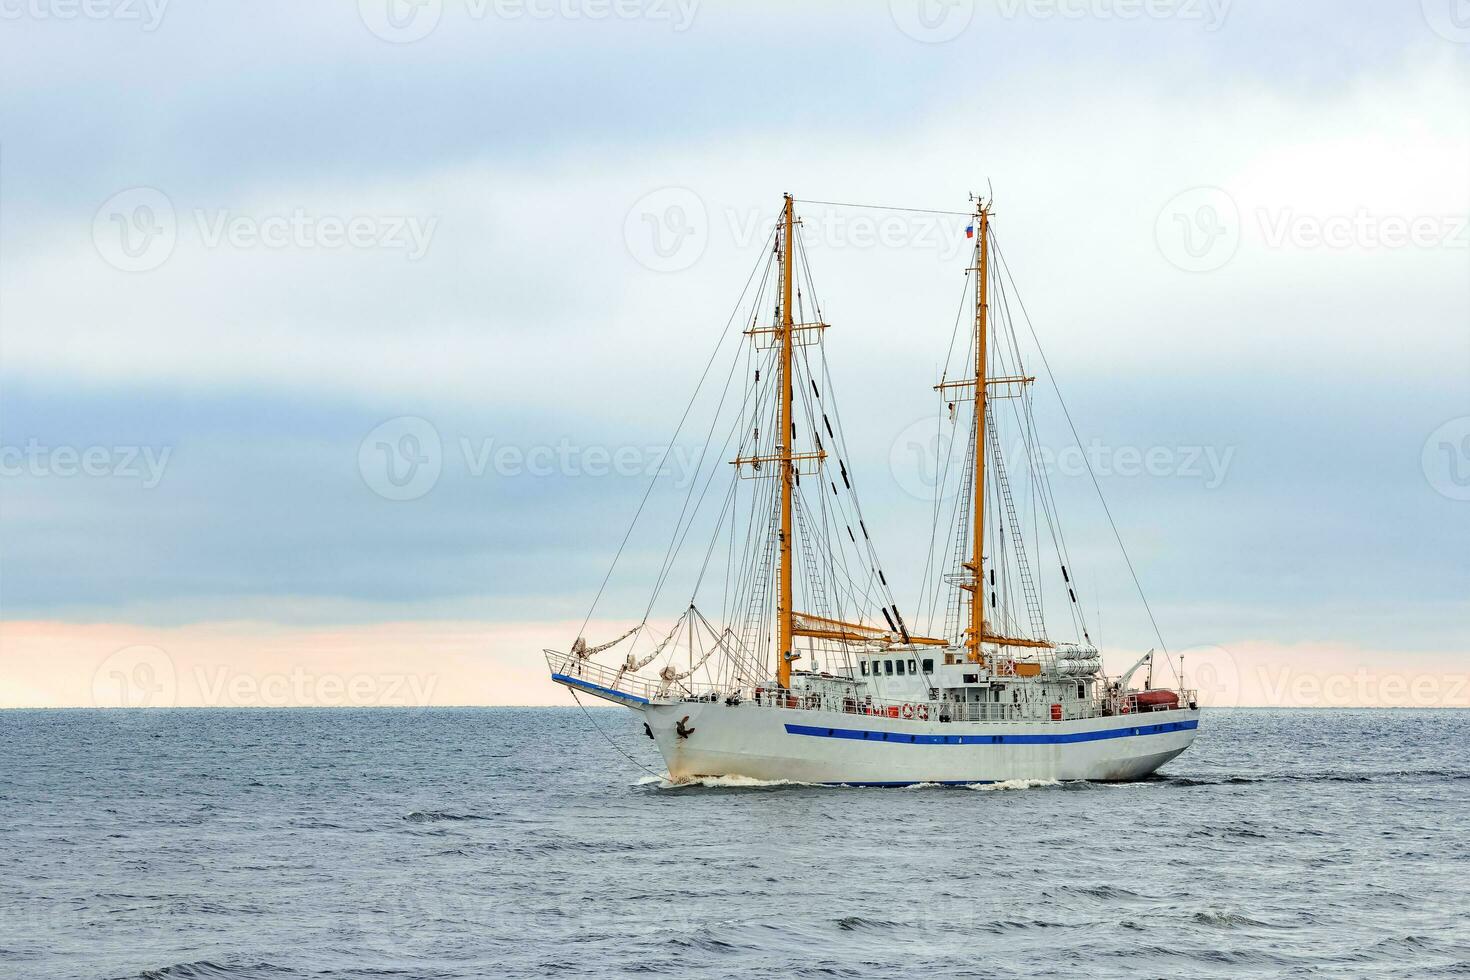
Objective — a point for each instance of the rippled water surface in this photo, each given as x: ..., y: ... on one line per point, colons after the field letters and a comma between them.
x: 517, y: 843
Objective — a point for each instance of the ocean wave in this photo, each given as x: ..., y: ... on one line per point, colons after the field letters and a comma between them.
x: 209, y: 970
x: 1226, y: 920
x: 856, y: 923
x: 432, y: 816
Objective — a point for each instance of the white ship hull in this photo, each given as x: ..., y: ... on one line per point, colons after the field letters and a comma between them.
x: 833, y: 747
x: 819, y: 746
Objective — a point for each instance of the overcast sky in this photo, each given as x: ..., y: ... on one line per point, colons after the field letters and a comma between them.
x: 245, y: 247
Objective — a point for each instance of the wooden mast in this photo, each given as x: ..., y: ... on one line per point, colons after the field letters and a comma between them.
x: 976, y: 631
x: 786, y: 609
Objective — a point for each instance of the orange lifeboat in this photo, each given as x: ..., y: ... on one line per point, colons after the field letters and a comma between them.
x: 1156, y: 700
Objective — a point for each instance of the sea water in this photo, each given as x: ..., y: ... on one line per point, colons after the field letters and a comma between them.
x: 285, y: 844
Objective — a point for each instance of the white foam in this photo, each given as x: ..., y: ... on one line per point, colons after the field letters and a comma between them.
x: 1017, y: 784
x: 718, y: 782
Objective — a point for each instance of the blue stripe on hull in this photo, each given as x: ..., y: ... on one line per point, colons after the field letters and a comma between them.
x: 597, y: 688
x: 904, y: 738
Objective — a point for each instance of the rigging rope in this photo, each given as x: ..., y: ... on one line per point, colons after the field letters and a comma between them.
x: 882, y: 207
x: 1095, y: 485
x: 610, y: 741
x: 674, y: 439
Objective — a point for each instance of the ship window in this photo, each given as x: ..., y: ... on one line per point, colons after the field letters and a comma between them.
x: 928, y: 665
x: 913, y: 667
x: 900, y: 667
x: 888, y: 667
x: 1081, y: 691
x: 972, y: 678
x: 864, y: 668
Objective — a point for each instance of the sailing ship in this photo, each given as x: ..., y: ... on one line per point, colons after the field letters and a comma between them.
x: 809, y: 671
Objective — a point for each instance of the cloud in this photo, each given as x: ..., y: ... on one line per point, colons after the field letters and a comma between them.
x: 499, y: 285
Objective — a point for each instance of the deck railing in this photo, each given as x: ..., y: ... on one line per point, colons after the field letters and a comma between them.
x: 1070, y: 709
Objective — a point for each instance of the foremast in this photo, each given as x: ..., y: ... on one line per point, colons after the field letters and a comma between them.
x: 785, y: 444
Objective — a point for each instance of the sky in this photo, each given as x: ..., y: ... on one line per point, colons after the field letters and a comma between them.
x: 337, y: 341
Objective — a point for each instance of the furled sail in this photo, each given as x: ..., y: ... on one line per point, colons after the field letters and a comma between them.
x: 581, y: 651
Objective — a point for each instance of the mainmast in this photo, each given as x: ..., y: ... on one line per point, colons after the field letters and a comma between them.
x: 785, y: 612
x: 976, y: 632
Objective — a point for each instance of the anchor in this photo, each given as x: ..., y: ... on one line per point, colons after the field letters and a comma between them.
x: 682, y: 731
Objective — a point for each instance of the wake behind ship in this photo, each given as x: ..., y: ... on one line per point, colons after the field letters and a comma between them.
x: 810, y: 672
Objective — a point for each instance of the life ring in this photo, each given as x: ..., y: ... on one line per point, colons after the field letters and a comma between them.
x: 908, y: 710
x: 923, y: 712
